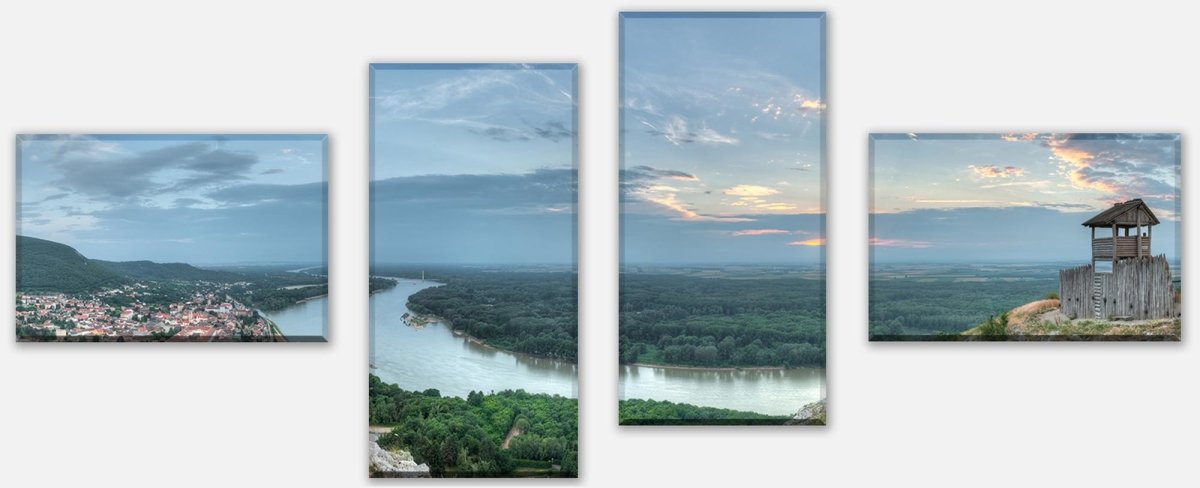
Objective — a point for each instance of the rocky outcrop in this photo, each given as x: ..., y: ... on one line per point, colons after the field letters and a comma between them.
x: 393, y: 464
x: 811, y: 414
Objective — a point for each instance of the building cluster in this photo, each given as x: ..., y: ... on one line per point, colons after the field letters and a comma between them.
x: 205, y: 316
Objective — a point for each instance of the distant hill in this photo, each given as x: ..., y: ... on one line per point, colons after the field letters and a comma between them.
x: 148, y: 270
x: 50, y: 266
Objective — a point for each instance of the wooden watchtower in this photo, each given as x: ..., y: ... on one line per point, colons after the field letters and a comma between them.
x: 1121, y: 218
x: 1137, y: 285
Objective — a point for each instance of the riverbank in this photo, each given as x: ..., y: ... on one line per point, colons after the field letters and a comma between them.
x: 276, y: 333
x: 706, y: 368
x: 430, y: 318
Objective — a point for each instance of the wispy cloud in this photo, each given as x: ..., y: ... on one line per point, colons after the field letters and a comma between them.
x: 994, y: 171
x: 677, y: 131
x: 759, y: 232
x: 814, y: 242
x: 750, y: 191
x: 875, y: 241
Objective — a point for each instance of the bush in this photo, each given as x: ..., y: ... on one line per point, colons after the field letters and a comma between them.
x: 1052, y: 295
x: 995, y: 327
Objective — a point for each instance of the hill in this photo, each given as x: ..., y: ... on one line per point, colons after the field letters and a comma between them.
x: 1042, y: 320
x: 148, y: 270
x: 49, y: 266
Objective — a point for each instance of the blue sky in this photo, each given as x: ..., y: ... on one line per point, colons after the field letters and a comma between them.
x: 199, y: 199
x: 473, y: 163
x: 723, y: 120
x: 1014, y: 196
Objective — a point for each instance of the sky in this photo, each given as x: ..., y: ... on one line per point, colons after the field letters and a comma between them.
x: 473, y: 164
x: 722, y: 132
x: 197, y: 199
x: 1015, y: 196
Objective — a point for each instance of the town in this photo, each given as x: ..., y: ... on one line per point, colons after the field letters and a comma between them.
x: 123, y: 314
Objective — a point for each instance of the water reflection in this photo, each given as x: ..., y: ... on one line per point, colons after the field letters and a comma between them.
x: 774, y: 391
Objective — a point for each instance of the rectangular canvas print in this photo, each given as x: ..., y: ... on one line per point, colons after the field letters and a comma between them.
x: 1025, y: 237
x: 473, y: 271
x: 722, y: 279
x: 176, y: 238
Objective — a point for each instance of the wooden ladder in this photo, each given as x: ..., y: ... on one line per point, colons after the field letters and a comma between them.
x: 1097, y: 298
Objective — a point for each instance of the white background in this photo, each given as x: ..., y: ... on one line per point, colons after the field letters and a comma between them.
x: 295, y: 414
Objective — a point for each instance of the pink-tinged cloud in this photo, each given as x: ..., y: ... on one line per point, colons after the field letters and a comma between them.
x: 1080, y: 164
x: 814, y: 242
x: 759, y: 232
x: 673, y: 204
x: 993, y: 171
x: 875, y: 241
x: 1015, y: 137
x: 750, y: 191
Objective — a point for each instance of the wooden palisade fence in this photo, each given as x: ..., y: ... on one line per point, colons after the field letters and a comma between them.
x: 1137, y: 288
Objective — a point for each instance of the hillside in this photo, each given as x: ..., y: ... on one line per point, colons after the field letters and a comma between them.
x: 1041, y: 320
x: 148, y: 270
x: 48, y: 266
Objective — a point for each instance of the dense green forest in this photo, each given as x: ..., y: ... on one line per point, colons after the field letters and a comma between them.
x: 532, y: 312
x: 655, y: 412
x: 46, y: 266
x: 903, y: 307
x: 722, y: 321
x: 465, y: 437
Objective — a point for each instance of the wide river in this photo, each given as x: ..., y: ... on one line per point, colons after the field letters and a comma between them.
x: 417, y: 358
x: 433, y: 357
x: 772, y: 392
x: 302, y: 322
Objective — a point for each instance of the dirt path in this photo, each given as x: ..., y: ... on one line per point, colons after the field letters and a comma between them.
x: 513, y: 432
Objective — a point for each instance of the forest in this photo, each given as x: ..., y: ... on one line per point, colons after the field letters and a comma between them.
x: 532, y: 312
x: 656, y: 412
x: 679, y: 319
x: 460, y: 437
x: 919, y: 306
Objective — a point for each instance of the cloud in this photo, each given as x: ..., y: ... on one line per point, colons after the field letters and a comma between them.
x: 188, y: 202
x: 750, y: 191
x: 1032, y: 184
x: 808, y: 106
x: 759, y: 232
x: 542, y: 190
x: 553, y: 131
x: 485, y: 95
x: 190, y: 165
x: 875, y: 241
x: 677, y: 132
x: 271, y: 171
x: 1121, y: 166
x: 1015, y: 137
x: 994, y: 171
x: 814, y: 242
x: 502, y: 134
x: 638, y: 172
x: 667, y: 197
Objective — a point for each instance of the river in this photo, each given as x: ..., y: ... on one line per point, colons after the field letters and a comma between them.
x: 303, y: 322
x: 418, y: 358
x: 433, y: 357
x: 772, y: 392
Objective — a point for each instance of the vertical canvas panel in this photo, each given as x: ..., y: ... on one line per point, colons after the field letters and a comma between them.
x: 1009, y: 236
x: 180, y: 238
x: 473, y: 271
x: 722, y: 284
